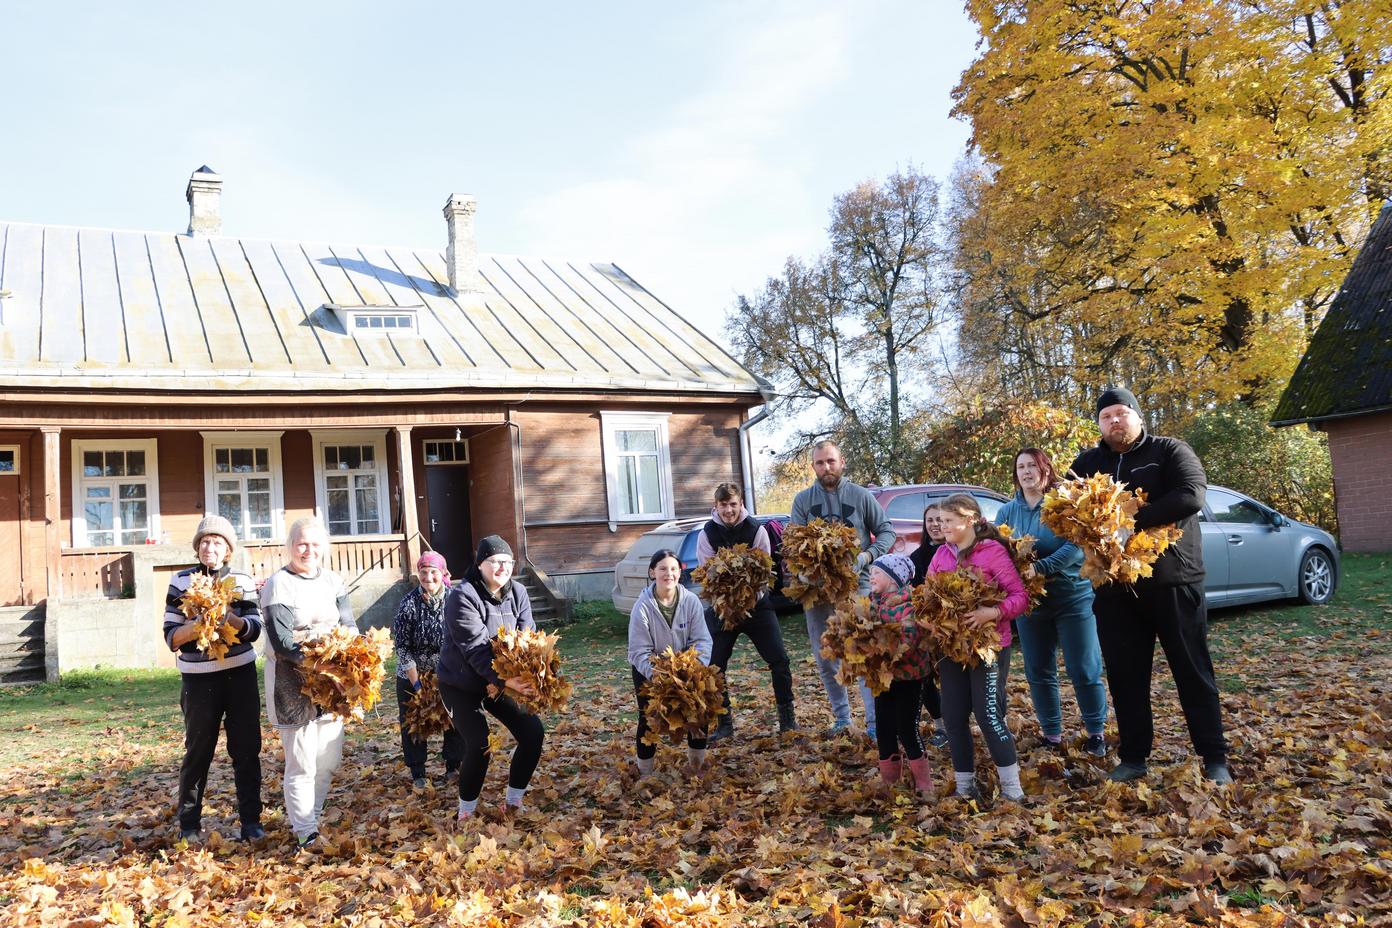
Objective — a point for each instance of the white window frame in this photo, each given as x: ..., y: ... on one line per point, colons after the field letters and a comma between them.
x: 406, y: 319
x: 79, y: 486
x: 268, y: 440
x: 18, y: 464
x: 378, y: 440
x: 456, y: 443
x: 612, y: 422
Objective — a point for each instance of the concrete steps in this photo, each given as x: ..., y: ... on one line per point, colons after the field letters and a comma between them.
x: 21, y: 644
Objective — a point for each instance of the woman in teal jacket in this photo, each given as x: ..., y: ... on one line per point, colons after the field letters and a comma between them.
x: 1064, y: 616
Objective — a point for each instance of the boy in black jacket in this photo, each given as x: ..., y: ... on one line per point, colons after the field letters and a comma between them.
x: 1169, y: 604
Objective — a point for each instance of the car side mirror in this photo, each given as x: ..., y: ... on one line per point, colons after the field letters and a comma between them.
x: 1277, y: 521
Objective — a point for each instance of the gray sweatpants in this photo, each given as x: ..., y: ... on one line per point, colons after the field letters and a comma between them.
x: 979, y: 690
x: 826, y: 668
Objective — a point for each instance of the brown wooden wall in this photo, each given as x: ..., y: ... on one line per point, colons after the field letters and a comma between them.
x: 22, y: 573
x: 492, y: 499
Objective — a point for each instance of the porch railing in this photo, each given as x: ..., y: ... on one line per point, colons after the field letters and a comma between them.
x: 97, y: 573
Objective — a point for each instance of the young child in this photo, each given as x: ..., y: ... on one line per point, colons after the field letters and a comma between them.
x: 971, y: 540
x: 896, y: 709
x: 666, y: 615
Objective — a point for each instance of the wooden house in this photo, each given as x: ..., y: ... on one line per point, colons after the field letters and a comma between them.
x: 1343, y: 386
x: 409, y: 397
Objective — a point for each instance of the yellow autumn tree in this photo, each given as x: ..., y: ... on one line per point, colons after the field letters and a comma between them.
x: 1168, y: 193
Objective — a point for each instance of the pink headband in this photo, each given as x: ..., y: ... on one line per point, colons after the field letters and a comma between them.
x: 433, y: 559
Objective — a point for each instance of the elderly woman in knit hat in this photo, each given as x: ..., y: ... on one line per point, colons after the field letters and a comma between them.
x: 418, y: 634
x: 219, y: 692
x: 476, y: 609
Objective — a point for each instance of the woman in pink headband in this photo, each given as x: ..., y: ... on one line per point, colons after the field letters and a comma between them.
x: 417, y: 633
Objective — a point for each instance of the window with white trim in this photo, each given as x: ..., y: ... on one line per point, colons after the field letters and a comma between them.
x: 637, y: 466
x: 445, y: 452
x: 9, y: 460
x: 115, y: 492
x: 243, y: 482
x: 351, y: 482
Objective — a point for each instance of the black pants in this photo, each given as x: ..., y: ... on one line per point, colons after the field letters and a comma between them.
x: 209, y: 702
x: 896, y: 720
x: 978, y: 690
x: 466, y: 711
x: 416, y: 752
x: 932, y: 701
x: 763, y: 629
x: 646, y: 751
x: 1127, y: 626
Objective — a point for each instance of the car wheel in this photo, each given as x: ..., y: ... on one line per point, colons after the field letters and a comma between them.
x: 1316, y: 579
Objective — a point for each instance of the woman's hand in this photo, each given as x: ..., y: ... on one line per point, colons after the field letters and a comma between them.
x: 983, y: 617
x: 520, y: 686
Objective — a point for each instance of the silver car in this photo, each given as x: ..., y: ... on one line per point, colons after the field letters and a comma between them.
x: 1253, y: 553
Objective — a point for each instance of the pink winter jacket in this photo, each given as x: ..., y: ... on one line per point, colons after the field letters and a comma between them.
x: 991, y: 558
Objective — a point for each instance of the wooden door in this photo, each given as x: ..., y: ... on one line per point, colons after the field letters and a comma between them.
x: 447, y: 488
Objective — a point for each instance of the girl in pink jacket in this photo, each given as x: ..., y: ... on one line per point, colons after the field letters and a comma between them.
x: 971, y: 540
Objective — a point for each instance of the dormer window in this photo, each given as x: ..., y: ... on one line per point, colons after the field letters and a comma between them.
x: 378, y: 320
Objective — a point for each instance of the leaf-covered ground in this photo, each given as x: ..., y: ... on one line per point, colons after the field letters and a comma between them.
x: 781, y: 831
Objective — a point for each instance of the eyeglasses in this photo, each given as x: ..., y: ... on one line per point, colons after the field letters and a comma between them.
x: 500, y: 562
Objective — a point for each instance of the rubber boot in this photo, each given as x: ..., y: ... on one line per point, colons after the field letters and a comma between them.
x: 787, y: 718
x: 891, y: 770
x: 725, y: 728
x: 922, y: 772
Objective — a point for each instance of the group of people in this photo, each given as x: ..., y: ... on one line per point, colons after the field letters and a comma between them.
x: 447, y: 627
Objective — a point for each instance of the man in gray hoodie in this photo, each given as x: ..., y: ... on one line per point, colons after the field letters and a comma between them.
x: 835, y: 499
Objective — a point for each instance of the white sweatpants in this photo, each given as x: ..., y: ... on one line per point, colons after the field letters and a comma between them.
x: 313, y: 752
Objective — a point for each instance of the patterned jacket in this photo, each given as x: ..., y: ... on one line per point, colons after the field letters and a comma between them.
x: 896, y: 608
x: 418, y: 633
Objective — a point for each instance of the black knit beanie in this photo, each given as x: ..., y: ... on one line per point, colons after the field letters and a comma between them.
x: 1114, y: 396
x: 493, y: 544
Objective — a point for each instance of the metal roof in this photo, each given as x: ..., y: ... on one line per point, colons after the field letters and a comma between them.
x: 1347, y: 367
x: 103, y: 309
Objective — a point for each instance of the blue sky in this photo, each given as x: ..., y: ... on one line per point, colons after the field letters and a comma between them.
x: 696, y: 145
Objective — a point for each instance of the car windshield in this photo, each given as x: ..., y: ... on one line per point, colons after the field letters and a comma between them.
x: 687, y: 551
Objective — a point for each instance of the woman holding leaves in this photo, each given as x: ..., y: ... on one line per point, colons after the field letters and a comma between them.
x: 972, y: 541
x: 476, y: 608
x: 418, y: 633
x: 896, y: 709
x: 1063, y: 618
x: 302, y: 602
x: 219, y: 684
x: 666, y: 615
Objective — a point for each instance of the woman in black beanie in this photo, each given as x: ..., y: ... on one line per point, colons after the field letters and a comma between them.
x: 485, y: 601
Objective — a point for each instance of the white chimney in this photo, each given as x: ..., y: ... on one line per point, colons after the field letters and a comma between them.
x: 462, y: 255
x: 204, y: 194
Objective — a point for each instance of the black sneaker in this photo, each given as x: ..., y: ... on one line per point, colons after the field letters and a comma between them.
x: 309, y: 842
x: 418, y: 782
x: 724, y: 730
x: 938, y: 739
x: 1125, y: 772
x: 1219, y: 773
x: 1095, y: 745
x: 190, y: 834
x: 253, y: 832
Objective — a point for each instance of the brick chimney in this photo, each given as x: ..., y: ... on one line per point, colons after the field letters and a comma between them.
x: 204, y: 195
x: 461, y: 258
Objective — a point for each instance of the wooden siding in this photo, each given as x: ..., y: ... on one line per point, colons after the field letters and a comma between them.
x: 23, y: 580
x: 101, y: 573
x: 562, y: 549
x: 562, y: 467
x: 492, y: 488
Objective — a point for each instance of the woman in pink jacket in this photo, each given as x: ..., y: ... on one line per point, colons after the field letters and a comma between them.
x: 971, y: 540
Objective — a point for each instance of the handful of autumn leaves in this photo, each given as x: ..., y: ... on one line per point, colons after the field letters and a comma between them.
x: 732, y: 580
x: 343, y: 671
x: 820, y: 557
x: 206, y: 601
x: 531, y: 655
x: 941, y: 605
x: 425, y: 713
x: 1024, y: 557
x: 1099, y: 515
x: 684, y: 696
x: 867, y: 648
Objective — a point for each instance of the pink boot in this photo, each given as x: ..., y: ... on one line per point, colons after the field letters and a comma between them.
x: 891, y: 770
x: 922, y: 771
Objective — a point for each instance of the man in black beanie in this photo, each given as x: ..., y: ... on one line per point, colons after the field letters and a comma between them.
x: 1169, y: 604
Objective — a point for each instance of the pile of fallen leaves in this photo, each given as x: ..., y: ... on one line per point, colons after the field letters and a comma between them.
x: 1025, y: 557
x: 941, y: 604
x: 1099, y: 515
x: 684, y: 696
x: 820, y: 559
x: 206, y: 602
x: 343, y: 670
x: 732, y: 580
x: 425, y: 713
x: 867, y: 648
x: 531, y: 655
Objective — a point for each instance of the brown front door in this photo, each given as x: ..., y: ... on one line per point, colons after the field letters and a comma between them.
x: 447, y: 487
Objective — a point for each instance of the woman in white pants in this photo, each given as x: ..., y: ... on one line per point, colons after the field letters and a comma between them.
x: 301, y: 602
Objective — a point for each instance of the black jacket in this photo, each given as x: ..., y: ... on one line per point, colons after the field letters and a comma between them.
x: 921, y: 557
x: 471, y: 620
x: 1175, y: 484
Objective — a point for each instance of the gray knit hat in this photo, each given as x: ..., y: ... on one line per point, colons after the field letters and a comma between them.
x: 899, y: 567
x: 216, y: 525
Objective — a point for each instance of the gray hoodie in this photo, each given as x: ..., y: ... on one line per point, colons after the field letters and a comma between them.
x: 649, y: 633
x: 853, y: 505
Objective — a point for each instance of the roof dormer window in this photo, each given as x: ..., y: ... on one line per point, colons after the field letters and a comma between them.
x: 378, y: 320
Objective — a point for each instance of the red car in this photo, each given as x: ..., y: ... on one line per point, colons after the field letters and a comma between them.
x: 904, y: 505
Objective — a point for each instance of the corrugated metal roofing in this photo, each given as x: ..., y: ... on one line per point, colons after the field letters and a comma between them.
x: 96, y: 308
x: 1347, y: 368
